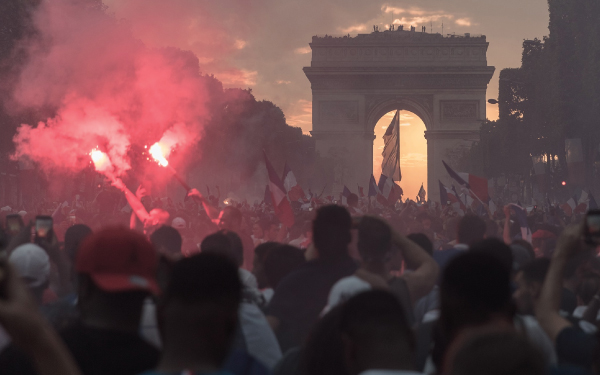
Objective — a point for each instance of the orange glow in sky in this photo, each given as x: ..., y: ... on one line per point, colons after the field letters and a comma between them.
x: 413, y: 151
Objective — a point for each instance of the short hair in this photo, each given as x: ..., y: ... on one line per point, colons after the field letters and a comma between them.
x: 280, y: 261
x: 498, y: 353
x: 374, y: 238
x: 374, y: 320
x: 474, y: 286
x: 496, y: 248
x: 74, y: 236
x: 471, y: 229
x: 263, y: 249
x: 536, y: 270
x: 205, y: 277
x: 225, y: 243
x: 235, y: 213
x: 203, y: 297
x: 167, y: 237
x: 423, y: 241
x: 331, y: 231
x: 352, y: 199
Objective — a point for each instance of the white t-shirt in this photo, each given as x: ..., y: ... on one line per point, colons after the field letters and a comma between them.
x: 345, y: 289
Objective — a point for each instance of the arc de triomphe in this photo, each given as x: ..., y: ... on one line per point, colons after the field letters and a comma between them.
x: 356, y: 80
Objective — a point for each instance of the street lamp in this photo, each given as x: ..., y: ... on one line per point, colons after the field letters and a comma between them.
x: 492, y: 101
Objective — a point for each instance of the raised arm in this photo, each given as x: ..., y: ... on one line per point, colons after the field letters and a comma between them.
x: 135, y: 203
x: 211, y: 211
x: 422, y: 280
x: 29, y: 330
x: 549, y: 303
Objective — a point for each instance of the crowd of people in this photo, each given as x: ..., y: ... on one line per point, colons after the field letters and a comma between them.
x: 131, y: 284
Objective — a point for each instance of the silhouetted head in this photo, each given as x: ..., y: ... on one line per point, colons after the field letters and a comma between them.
x: 198, y: 314
x: 374, y: 239
x: 225, y: 243
x: 167, y: 239
x: 331, y: 232
x: 375, y: 333
x: 471, y: 229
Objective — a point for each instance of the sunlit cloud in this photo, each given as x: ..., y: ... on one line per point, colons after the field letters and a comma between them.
x: 417, y: 16
x: 354, y: 28
x: 463, y: 22
x: 302, y: 50
x: 239, y: 44
x: 413, y: 159
x: 300, y: 115
x: 405, y: 124
x: 238, y: 78
x: 282, y: 82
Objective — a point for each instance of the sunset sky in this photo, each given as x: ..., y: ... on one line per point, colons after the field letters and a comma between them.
x: 263, y: 44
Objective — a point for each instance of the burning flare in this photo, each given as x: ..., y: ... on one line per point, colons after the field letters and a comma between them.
x: 158, y: 154
x: 101, y: 161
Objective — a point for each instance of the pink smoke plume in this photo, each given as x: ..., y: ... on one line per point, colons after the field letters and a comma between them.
x: 106, y: 88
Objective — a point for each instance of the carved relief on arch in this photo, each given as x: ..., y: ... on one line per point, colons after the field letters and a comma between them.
x: 377, y: 105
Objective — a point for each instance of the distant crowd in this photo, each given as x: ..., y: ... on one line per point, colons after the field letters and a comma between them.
x: 133, y: 284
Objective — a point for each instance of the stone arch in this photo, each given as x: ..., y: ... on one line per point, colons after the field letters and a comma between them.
x: 385, y: 105
x: 356, y: 80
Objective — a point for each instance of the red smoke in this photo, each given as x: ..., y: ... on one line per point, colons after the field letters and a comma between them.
x: 107, y: 89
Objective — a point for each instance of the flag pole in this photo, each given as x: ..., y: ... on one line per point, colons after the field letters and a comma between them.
x: 398, y: 144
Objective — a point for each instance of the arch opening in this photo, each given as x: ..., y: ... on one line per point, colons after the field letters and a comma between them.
x: 413, y: 150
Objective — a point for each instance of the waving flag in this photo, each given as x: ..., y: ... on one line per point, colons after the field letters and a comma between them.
x: 582, y: 205
x: 522, y: 220
x: 477, y: 186
x: 447, y: 195
x: 391, y: 151
x: 389, y: 192
x: 361, y: 191
x: 290, y: 184
x: 283, y: 209
x: 593, y: 205
x: 373, y: 189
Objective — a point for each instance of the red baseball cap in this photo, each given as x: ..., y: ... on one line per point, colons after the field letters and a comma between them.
x: 119, y: 260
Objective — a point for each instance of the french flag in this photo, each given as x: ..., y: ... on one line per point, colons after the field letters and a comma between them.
x: 290, y: 184
x: 522, y: 220
x: 447, y: 195
x: 373, y: 189
x: 478, y: 186
x: 283, y: 209
x: 389, y: 192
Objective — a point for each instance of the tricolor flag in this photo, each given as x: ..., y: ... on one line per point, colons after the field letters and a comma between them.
x: 346, y: 193
x: 569, y: 207
x: 447, y: 195
x: 361, y: 191
x: 593, y: 205
x: 283, y: 209
x: 267, y: 198
x: 477, y: 186
x: 522, y: 220
x: 290, y: 184
x: 389, y: 192
x: 373, y: 189
x: 391, y: 151
x: 582, y: 204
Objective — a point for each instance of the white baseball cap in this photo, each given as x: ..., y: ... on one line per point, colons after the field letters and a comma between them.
x: 179, y: 223
x: 32, y: 263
